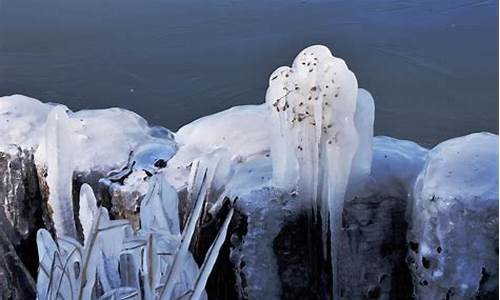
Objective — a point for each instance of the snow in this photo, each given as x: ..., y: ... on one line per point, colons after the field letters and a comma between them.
x: 454, y: 221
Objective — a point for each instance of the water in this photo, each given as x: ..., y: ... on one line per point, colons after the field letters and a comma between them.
x: 432, y: 66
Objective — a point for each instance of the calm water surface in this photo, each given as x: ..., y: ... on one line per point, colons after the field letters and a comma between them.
x: 432, y: 66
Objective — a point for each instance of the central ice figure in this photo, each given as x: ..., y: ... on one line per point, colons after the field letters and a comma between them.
x: 322, y: 127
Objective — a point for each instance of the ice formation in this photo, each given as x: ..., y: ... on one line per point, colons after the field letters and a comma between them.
x: 314, y: 136
x: 306, y: 155
x: 117, y: 263
x: 21, y: 120
x: 59, y: 142
x: 221, y: 130
x: 454, y: 226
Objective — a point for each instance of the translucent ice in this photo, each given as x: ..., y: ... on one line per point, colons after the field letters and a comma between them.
x: 314, y: 136
x: 58, y: 153
x: 454, y: 225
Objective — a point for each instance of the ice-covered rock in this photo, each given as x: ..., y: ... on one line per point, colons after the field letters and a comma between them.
x: 73, y: 148
x: 16, y: 282
x: 454, y: 220
x: 292, y: 170
x: 242, y: 130
x: 19, y: 194
x: 373, y: 238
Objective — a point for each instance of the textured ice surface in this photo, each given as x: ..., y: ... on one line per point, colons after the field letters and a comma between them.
x: 314, y: 137
x: 395, y: 166
x: 59, y: 141
x: 265, y: 209
x: 454, y: 226
x: 242, y: 130
x: 89, y: 141
x: 21, y: 120
x: 117, y: 131
x: 362, y: 160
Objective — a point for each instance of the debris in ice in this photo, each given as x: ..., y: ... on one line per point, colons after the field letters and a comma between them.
x: 453, y: 232
x: 395, y: 166
x: 314, y: 136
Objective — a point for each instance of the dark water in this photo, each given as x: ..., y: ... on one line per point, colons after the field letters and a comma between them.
x: 432, y: 66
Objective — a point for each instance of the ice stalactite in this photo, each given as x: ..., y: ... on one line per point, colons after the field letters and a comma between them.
x: 362, y: 160
x: 56, y: 151
x: 315, y: 138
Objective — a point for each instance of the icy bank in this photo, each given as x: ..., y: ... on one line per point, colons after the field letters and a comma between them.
x: 301, y: 174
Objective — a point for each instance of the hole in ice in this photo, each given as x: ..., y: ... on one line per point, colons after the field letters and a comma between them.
x: 426, y: 262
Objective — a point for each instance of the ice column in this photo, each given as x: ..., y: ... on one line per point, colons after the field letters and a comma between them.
x: 314, y: 137
x: 55, y: 153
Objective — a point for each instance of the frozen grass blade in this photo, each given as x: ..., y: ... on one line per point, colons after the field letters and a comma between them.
x: 211, y: 258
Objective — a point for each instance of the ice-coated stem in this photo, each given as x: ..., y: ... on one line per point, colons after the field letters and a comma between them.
x: 211, y: 258
x: 199, y: 186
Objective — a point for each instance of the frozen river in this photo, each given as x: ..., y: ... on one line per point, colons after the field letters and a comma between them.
x: 432, y: 66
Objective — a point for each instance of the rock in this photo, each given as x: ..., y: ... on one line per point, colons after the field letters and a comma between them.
x: 16, y: 282
x: 372, y: 257
x: 19, y: 193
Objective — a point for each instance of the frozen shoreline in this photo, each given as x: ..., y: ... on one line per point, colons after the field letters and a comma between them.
x: 279, y: 173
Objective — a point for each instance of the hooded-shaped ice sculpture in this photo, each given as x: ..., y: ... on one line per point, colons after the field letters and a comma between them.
x: 315, y: 136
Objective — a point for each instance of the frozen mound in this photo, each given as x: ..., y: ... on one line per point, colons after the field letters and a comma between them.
x: 395, y: 166
x: 454, y: 227
x: 21, y: 121
x: 72, y: 148
x: 117, y: 131
x: 242, y: 130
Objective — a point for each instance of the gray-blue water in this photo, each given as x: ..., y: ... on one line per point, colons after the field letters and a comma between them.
x: 432, y: 66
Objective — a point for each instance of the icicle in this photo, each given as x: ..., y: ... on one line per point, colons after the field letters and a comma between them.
x: 56, y: 151
x: 314, y: 136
